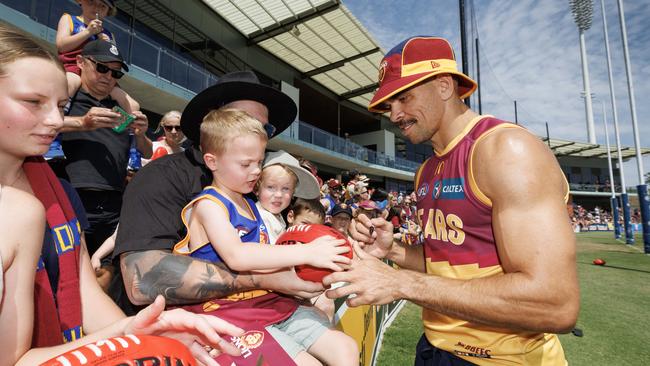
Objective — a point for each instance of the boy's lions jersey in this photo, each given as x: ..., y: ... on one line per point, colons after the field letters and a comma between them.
x: 246, y: 307
x: 249, y: 225
x: 456, y: 221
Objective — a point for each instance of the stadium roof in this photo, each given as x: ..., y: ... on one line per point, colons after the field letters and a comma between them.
x: 320, y: 38
x: 586, y: 150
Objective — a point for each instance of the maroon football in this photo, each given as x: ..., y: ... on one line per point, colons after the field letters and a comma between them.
x: 303, y: 234
x: 599, y: 262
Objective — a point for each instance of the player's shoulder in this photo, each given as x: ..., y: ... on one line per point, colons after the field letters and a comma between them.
x: 511, y: 160
x: 509, y: 141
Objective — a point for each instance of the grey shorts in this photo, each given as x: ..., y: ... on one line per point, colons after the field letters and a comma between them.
x: 301, y: 330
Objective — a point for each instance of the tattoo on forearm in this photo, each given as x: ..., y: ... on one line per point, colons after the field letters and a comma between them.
x: 213, y: 285
x: 166, y: 277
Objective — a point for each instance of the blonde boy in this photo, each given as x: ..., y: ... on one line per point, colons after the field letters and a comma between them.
x: 225, y: 226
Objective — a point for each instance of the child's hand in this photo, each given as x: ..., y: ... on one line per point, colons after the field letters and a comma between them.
x: 95, y: 26
x: 140, y: 124
x: 325, y: 252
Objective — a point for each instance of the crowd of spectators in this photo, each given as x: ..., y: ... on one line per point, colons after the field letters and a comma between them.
x: 354, y: 190
x: 582, y: 219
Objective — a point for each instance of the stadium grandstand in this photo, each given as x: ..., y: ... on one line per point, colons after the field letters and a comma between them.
x: 320, y: 55
x: 317, y: 52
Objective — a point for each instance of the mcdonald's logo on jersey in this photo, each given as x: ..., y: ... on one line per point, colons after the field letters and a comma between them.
x: 439, y: 167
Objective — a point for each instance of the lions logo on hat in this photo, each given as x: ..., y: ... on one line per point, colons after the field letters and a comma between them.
x: 382, y: 70
x: 114, y: 50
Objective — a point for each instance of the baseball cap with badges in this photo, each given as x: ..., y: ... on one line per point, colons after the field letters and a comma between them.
x: 414, y: 60
x: 103, y: 51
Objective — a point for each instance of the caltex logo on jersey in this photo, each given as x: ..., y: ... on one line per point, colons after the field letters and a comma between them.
x: 449, y: 189
x: 422, y: 191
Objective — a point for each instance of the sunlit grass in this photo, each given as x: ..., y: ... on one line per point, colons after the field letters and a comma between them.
x: 614, y: 314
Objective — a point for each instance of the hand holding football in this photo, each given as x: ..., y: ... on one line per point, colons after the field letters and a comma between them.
x: 304, y: 234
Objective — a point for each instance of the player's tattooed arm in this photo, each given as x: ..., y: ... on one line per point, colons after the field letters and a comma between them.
x: 180, y: 279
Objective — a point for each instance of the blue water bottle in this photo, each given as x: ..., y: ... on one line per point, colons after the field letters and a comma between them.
x: 135, y: 162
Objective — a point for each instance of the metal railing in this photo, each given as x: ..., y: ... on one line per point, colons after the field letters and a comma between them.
x: 138, y: 49
x: 315, y: 136
x: 591, y: 187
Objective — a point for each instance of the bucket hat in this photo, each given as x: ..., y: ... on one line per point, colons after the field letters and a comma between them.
x: 307, y: 186
x: 415, y: 60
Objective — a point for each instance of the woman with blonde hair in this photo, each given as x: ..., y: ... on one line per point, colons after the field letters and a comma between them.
x: 172, y: 138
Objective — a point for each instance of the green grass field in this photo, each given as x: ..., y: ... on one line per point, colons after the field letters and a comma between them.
x: 614, y: 313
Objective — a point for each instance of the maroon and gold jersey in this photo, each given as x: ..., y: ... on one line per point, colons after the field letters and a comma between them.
x: 456, y: 220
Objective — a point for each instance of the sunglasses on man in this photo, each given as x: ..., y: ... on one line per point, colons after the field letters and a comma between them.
x: 269, y: 129
x: 103, y: 69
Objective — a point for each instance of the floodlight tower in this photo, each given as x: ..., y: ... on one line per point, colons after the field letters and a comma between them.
x: 629, y: 233
x: 642, y: 188
x: 583, y: 11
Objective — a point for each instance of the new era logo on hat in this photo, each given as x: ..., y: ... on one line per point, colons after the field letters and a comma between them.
x: 413, y: 61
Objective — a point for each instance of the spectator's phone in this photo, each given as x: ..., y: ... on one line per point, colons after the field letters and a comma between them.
x: 125, y: 120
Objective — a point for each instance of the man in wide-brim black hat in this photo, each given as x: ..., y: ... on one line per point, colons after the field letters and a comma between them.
x: 234, y: 87
x: 150, y: 223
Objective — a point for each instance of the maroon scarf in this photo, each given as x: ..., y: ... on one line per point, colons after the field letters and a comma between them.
x: 57, y: 319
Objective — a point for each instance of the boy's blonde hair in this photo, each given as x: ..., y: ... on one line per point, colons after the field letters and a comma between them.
x: 221, y: 126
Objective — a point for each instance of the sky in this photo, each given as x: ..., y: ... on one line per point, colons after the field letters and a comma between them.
x: 530, y: 52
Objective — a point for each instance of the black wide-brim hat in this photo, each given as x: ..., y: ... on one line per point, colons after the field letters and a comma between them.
x: 238, y: 85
